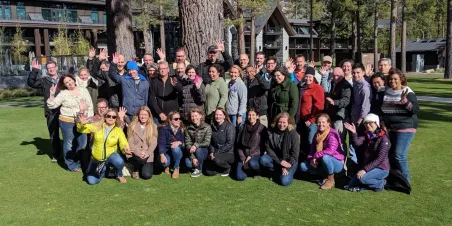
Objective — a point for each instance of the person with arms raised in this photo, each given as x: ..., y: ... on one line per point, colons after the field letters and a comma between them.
x: 257, y: 88
x: 203, y: 69
x: 193, y: 93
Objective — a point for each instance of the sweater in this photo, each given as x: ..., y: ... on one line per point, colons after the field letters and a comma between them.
x: 375, y: 150
x: 400, y: 114
x: 312, y: 102
x: 70, y: 104
x: 163, y: 96
x: 237, y: 98
x: 216, y: 95
x: 283, y: 97
x: 223, y: 138
x: 198, y: 136
x: 362, y: 97
x: 332, y: 146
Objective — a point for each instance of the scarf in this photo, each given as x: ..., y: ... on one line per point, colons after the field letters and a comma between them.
x: 249, y: 134
x: 319, y: 138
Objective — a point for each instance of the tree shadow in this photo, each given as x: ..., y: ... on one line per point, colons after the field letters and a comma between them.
x: 43, y: 147
x: 432, y: 111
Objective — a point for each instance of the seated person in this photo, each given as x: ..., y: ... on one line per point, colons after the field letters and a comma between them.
x: 171, y: 142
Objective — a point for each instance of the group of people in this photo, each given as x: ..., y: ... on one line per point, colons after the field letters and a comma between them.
x: 268, y: 120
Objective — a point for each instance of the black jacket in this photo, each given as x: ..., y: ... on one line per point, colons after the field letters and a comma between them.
x: 109, y: 89
x: 191, y: 97
x: 203, y: 68
x: 163, y: 97
x: 341, y: 93
x: 43, y: 83
x: 257, y: 94
x: 223, y: 138
x: 255, y: 146
x: 287, y: 150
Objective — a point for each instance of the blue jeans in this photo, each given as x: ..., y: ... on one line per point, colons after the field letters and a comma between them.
x: 73, y: 143
x: 176, y: 153
x: 400, y: 143
x: 312, y: 130
x: 374, y: 179
x: 114, y: 159
x: 327, y: 164
x: 201, y: 155
x: 285, y: 180
x: 234, y: 119
x: 253, y: 163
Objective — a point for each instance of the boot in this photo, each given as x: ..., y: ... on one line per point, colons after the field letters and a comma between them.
x: 167, y: 170
x: 175, y: 173
x: 329, y: 183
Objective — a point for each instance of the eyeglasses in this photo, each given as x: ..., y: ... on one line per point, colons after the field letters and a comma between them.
x: 111, y: 116
x: 176, y: 119
x: 101, y: 107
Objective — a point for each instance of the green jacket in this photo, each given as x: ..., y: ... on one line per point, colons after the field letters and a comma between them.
x: 283, y: 97
x: 216, y: 95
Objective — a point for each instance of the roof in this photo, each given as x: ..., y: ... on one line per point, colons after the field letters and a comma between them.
x: 301, y: 28
x: 274, y: 9
x: 424, y: 45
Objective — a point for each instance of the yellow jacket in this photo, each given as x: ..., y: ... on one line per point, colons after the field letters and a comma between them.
x: 116, y: 136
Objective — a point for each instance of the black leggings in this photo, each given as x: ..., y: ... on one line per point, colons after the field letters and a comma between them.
x: 147, y: 168
x: 220, y: 163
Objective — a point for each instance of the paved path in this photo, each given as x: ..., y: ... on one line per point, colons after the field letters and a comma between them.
x: 435, y: 99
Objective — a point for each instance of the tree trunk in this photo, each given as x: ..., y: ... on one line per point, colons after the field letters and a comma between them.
x: 311, y: 39
x: 354, y: 37
x: 119, y: 28
x: 162, y: 30
x: 448, y: 69
x: 241, y: 29
x: 201, y: 24
x: 358, y: 32
x: 252, y: 40
x: 376, y: 36
x: 393, y: 31
x: 333, y: 32
x: 147, y: 40
x: 403, y: 41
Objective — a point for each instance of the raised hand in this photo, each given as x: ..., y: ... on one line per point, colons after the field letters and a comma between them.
x: 404, y: 94
x: 52, y: 90
x: 82, y: 105
x: 92, y: 53
x: 103, y: 55
x: 369, y: 69
x: 291, y: 68
x: 220, y: 46
x: 289, y: 63
x: 122, y: 112
x: 35, y: 64
x: 198, y: 83
x: 350, y: 127
x: 323, y: 71
x: 311, y: 64
x: 115, y: 58
x: 173, y: 81
x: 162, y: 55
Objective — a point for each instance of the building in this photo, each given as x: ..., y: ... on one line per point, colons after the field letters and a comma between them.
x: 423, y: 54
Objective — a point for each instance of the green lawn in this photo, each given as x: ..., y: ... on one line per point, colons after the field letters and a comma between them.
x: 430, y: 85
x: 21, y: 100
x: 37, y: 192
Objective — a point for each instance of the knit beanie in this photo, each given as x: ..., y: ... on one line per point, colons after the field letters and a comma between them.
x: 132, y: 65
x: 372, y: 118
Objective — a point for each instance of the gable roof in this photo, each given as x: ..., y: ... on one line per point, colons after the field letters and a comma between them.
x: 275, y: 9
x: 424, y: 45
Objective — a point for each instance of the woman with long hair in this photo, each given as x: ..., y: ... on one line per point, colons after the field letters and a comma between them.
x: 250, y: 146
x: 68, y: 100
x: 171, y: 143
x: 193, y: 93
x: 142, y: 134
x: 283, y: 95
x: 197, y: 140
x: 282, y: 147
x: 237, y: 96
x: 216, y: 91
x: 107, y: 136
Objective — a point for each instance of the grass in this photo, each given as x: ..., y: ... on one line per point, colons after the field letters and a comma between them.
x: 21, y: 100
x: 37, y: 192
x: 432, y: 85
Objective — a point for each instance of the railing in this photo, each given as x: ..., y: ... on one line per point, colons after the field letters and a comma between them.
x: 275, y: 29
x: 52, y: 15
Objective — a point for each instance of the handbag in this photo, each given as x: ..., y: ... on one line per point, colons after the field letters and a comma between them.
x: 96, y: 167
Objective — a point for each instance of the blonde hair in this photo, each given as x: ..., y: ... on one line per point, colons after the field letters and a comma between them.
x: 150, y: 127
x: 289, y: 120
x: 199, y: 111
x: 239, y: 69
x: 98, y: 123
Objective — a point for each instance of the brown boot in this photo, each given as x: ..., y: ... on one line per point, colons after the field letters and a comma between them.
x: 135, y: 175
x: 329, y: 183
x: 167, y: 170
x: 175, y: 173
x: 123, y: 180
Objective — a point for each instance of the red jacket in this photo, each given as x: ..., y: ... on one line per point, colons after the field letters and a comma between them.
x: 312, y: 102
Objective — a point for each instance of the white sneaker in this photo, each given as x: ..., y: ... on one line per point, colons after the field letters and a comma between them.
x: 196, y: 173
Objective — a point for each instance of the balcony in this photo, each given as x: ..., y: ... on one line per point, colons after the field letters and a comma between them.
x: 276, y: 30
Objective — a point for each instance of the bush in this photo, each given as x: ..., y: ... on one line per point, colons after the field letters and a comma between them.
x: 14, y: 93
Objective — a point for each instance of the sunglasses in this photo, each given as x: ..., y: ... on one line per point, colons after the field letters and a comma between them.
x: 176, y: 119
x: 111, y: 116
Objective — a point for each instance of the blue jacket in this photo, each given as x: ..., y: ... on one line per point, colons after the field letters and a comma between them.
x: 133, y: 96
x: 166, y: 137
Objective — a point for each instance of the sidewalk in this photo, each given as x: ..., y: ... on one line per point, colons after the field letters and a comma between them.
x: 23, y: 104
x: 435, y: 99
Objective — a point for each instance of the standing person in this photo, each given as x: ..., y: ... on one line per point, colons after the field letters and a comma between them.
x: 326, y: 155
x: 134, y: 86
x: 311, y: 104
x: 260, y: 61
x: 181, y: 57
x: 300, y: 69
x: 107, y: 136
x: 148, y: 60
x: 68, y: 100
x: 180, y: 71
x: 347, y: 66
x: 216, y: 91
x: 378, y: 91
x: 283, y: 95
x: 164, y: 93
x: 326, y: 73
x: 237, y: 96
x: 384, y: 65
x: 257, y: 88
x: 84, y: 80
x: 375, y: 145
x: 282, y: 147
x: 244, y: 62
x: 197, y: 140
x: 45, y: 84
x: 250, y: 145
x: 142, y: 135
x: 271, y: 65
x: 171, y: 143
x: 221, y: 149
x: 193, y: 93
x: 400, y: 109
x: 203, y: 69
x: 152, y: 73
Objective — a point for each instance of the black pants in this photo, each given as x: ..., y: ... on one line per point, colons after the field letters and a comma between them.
x: 221, y: 162
x: 54, y: 132
x: 147, y: 168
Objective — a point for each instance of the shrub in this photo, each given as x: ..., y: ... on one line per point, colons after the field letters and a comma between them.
x: 15, y: 93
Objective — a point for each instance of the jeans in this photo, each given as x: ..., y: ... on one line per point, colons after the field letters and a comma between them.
x: 176, y: 153
x: 284, y: 180
x: 221, y: 162
x: 307, y: 134
x: 114, y: 159
x: 312, y: 130
x: 234, y: 119
x: 54, y: 133
x: 327, y: 164
x: 147, y: 168
x: 400, y: 144
x: 201, y: 155
x: 374, y: 179
x: 253, y: 164
x: 74, y: 142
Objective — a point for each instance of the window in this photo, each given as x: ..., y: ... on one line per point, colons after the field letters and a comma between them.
x: 46, y: 14
x: 95, y: 17
x: 71, y: 16
x: 105, y: 18
x: 5, y: 12
x: 20, y: 12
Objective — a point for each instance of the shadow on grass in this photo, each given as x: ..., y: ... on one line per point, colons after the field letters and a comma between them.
x: 43, y: 147
x: 436, y: 112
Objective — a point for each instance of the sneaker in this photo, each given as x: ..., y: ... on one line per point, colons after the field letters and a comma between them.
x: 321, y: 182
x: 196, y: 173
x: 54, y: 160
x: 226, y: 172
